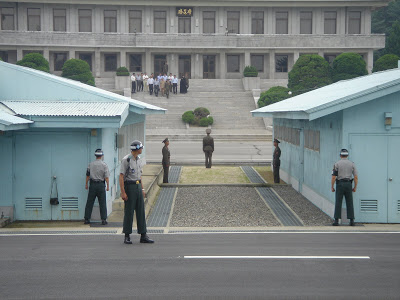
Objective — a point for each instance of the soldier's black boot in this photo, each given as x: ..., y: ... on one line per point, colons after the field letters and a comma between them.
x: 145, y: 239
x: 352, y: 222
x: 127, y: 239
x: 336, y: 223
x: 104, y: 222
x: 87, y: 221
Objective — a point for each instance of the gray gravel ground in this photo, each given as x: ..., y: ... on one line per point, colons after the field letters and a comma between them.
x: 308, y: 212
x: 220, y: 207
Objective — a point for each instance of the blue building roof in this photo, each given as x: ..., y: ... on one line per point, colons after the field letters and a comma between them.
x: 8, y: 121
x: 335, y: 97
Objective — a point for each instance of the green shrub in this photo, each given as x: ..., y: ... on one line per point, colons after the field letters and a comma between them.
x: 188, y: 117
x: 210, y: 120
x: 201, y: 112
x: 310, y: 72
x: 386, y: 62
x: 79, y: 70
x: 203, y: 122
x: 273, y: 95
x: 250, y: 71
x: 122, y: 71
x: 35, y: 61
x: 348, y: 66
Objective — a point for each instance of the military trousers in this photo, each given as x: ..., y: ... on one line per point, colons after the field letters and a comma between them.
x: 166, y: 174
x: 344, y: 188
x: 277, y: 179
x: 134, y: 203
x: 208, y: 155
x: 96, y: 189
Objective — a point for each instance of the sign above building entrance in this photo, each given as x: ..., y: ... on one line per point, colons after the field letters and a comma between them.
x: 184, y: 11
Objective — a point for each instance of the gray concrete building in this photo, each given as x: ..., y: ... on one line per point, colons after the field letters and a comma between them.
x: 204, y: 39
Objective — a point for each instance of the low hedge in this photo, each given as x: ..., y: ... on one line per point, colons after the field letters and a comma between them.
x: 188, y: 117
x: 204, y: 122
x: 250, y: 71
x: 199, y: 117
x: 79, y: 70
x: 274, y: 94
x: 201, y: 112
x: 122, y: 71
x: 35, y: 61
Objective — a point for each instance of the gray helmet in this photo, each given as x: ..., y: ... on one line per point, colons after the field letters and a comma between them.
x: 136, y: 145
x: 344, y: 152
x: 99, y: 152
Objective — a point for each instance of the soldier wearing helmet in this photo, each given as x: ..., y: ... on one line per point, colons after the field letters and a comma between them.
x: 208, y: 148
x: 97, y: 172
x: 132, y: 192
x: 342, y: 173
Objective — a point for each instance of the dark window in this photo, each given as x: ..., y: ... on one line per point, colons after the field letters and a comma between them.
x: 86, y: 57
x: 85, y: 20
x: 59, y: 60
x: 110, y: 21
x: 7, y: 18
x: 110, y: 64
x: 330, y: 22
x: 330, y: 58
x: 282, y: 24
x: 209, y: 22
x: 184, y: 25
x: 59, y: 20
x: 135, y: 63
x: 4, y: 55
x: 354, y: 22
x: 160, y: 22
x: 233, y: 63
x: 305, y: 22
x: 312, y: 139
x: 258, y: 62
x: 135, y: 21
x: 257, y: 22
x: 233, y: 22
x: 34, y: 19
x: 281, y: 63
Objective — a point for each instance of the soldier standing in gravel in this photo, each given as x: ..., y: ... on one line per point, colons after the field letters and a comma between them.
x: 132, y: 192
x: 208, y: 148
x: 276, y: 162
x: 342, y: 174
x: 165, y: 159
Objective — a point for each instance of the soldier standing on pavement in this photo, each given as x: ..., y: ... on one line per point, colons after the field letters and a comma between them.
x: 276, y: 162
x: 342, y: 174
x: 165, y: 159
x: 132, y: 192
x: 208, y: 148
x: 97, y: 172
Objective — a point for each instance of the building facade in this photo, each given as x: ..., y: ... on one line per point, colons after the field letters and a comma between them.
x: 203, y: 39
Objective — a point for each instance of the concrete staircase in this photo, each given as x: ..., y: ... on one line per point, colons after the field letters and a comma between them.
x: 228, y: 103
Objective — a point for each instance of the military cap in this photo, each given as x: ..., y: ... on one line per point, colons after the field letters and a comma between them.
x: 208, y: 130
x: 136, y: 145
x: 99, y: 152
x: 276, y: 141
x: 165, y: 140
x: 344, y: 152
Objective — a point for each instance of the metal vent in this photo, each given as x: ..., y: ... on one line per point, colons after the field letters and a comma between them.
x: 69, y: 203
x: 398, y: 206
x: 369, y: 205
x: 33, y: 203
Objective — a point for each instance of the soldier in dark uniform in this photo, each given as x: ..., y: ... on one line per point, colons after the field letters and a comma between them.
x: 342, y: 173
x: 165, y: 159
x: 276, y: 162
x: 132, y: 192
x: 98, y: 173
x: 208, y: 148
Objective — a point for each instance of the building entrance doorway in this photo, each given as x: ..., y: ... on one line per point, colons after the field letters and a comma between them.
x: 209, y: 66
x: 185, y: 63
x: 159, y: 63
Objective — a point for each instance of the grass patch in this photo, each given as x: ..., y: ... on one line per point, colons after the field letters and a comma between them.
x: 266, y: 173
x: 217, y: 174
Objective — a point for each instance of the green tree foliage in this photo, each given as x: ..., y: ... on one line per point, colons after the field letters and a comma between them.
x: 274, y: 94
x: 188, y: 117
x: 204, y: 122
x: 310, y: 72
x: 347, y: 66
x: 386, y: 62
x: 200, y: 116
x: 78, y: 70
x: 384, y: 18
x: 122, y: 71
x: 35, y: 61
x: 393, y: 40
x: 250, y: 71
x: 201, y: 112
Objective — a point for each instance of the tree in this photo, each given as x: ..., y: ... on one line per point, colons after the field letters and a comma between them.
x: 35, y: 61
x: 310, y: 72
x: 347, y: 66
x: 386, y: 62
x: 273, y: 95
x: 78, y: 70
x: 250, y: 71
x: 384, y: 18
x: 393, y: 40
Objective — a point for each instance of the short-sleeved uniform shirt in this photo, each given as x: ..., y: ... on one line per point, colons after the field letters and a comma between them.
x: 133, y: 169
x: 98, y: 170
x: 344, y: 169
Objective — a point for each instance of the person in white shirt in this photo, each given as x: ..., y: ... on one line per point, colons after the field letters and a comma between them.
x: 175, y: 84
x: 145, y: 78
x: 150, y: 83
x: 133, y: 79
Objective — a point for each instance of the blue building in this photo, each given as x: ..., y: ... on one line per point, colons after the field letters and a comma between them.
x: 362, y: 115
x: 49, y: 129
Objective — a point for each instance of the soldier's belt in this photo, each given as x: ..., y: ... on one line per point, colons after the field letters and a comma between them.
x: 129, y: 182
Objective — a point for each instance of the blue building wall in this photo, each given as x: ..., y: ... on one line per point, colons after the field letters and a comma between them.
x: 6, y: 202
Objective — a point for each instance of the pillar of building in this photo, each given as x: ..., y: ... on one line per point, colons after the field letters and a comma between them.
x: 123, y: 59
x: 247, y: 59
x: 46, y: 53
x: 370, y: 61
x: 71, y: 54
x: 222, y: 65
x: 272, y: 64
x: 97, y: 63
x: 147, y: 65
x: 197, y: 66
x: 296, y: 55
x: 20, y: 54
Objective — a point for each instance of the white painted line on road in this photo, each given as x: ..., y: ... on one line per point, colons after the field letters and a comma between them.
x: 277, y: 257
x: 287, y: 232
x: 55, y: 234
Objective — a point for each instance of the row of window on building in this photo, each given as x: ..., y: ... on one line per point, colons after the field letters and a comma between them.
x: 184, y: 23
x: 292, y: 136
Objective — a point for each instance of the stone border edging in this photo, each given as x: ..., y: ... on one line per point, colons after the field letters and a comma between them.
x: 221, y: 184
